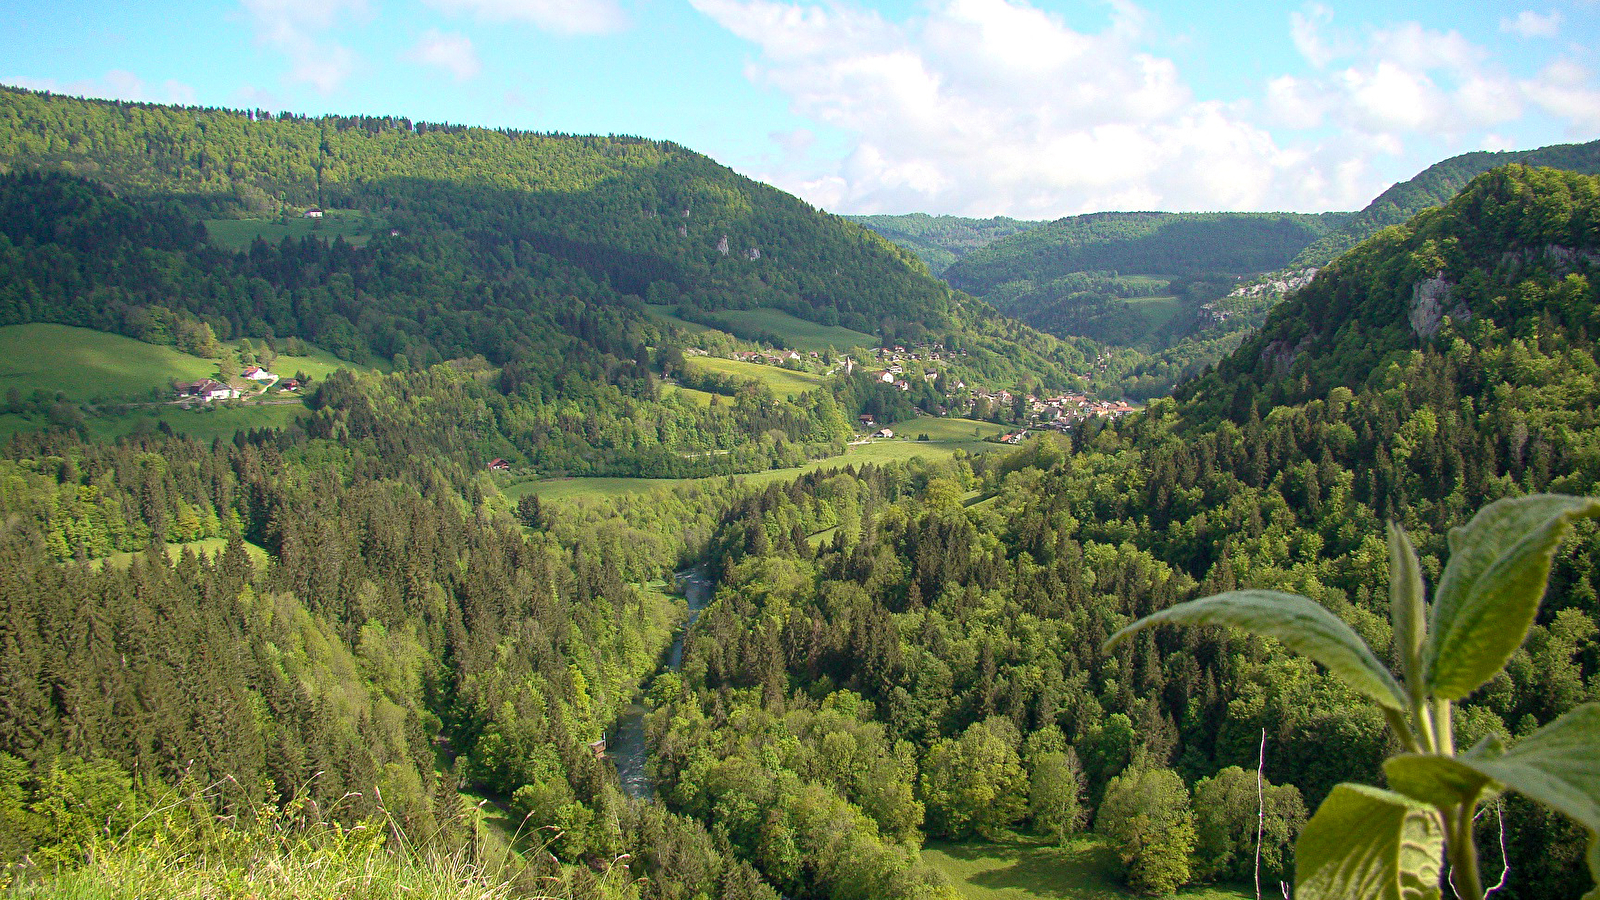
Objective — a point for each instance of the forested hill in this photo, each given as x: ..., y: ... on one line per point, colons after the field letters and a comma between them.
x: 1142, y: 243
x: 972, y: 634
x: 942, y: 240
x: 543, y: 219
x: 643, y: 217
x: 1508, y: 258
x: 1148, y: 285
x: 1436, y: 185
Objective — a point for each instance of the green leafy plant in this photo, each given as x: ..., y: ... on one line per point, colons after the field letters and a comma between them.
x: 1401, y: 843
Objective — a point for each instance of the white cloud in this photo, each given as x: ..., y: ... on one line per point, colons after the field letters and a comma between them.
x: 985, y: 106
x: 1568, y: 91
x: 1530, y: 24
x: 1307, y: 29
x: 116, y: 84
x: 560, y: 16
x: 979, y: 107
x: 453, y: 53
x: 297, y: 29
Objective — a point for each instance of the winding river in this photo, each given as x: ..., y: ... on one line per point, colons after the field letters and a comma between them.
x: 626, y: 745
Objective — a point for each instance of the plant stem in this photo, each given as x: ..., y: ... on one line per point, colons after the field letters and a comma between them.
x: 1463, y: 852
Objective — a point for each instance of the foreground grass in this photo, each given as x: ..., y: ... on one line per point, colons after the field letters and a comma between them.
x: 1024, y: 870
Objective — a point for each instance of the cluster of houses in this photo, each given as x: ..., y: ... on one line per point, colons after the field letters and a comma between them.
x: 209, y: 389
x: 771, y: 357
x: 1068, y: 409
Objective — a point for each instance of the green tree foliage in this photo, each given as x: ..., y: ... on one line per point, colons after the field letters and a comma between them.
x: 1147, y: 820
x: 975, y: 784
x: 1055, y: 793
x: 1233, y: 813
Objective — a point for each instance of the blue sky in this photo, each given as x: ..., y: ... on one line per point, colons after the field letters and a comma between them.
x: 1028, y: 108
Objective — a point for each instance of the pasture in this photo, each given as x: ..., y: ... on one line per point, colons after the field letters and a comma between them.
x: 795, y: 332
x: 782, y: 382
x: 354, y: 226
x: 206, y: 546
x: 1029, y: 871
x: 85, y: 365
x: 1157, y: 312
x: 946, y: 436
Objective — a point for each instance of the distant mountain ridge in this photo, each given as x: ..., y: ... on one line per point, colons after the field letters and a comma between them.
x: 1435, y: 186
x: 941, y: 241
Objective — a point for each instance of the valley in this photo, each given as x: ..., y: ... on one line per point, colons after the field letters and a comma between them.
x: 417, y: 626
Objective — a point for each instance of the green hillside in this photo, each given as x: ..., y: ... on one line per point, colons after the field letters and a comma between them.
x: 1434, y: 186
x: 1142, y: 243
x: 940, y: 241
x: 84, y: 365
x: 608, y: 221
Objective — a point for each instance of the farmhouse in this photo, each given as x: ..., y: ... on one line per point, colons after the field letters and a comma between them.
x: 499, y: 465
x: 313, y: 213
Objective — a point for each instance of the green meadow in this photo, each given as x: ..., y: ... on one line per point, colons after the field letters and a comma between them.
x: 85, y: 365
x: 354, y: 226
x: 1157, y: 311
x: 782, y: 382
x: 795, y: 332
x: 697, y: 397
x: 117, y: 375
x: 206, y: 546
x: 1029, y: 871
x: 945, y: 437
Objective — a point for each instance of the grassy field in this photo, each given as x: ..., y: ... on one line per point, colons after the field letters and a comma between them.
x: 237, y: 234
x: 1025, y: 871
x: 1158, y: 311
x: 209, y: 546
x: 665, y: 314
x: 795, y: 332
x: 946, y: 436
x: 84, y: 364
x: 698, y: 398
x: 783, y: 382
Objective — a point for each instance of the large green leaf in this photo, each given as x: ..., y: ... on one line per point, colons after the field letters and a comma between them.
x: 1365, y: 843
x: 1490, y: 590
x: 1297, y: 621
x: 1558, y: 765
x: 1407, y: 609
x: 1438, y: 780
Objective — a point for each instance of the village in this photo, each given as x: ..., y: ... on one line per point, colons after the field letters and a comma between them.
x: 902, y: 367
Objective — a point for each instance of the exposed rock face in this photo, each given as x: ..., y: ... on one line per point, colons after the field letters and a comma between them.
x: 1428, y: 299
x: 1292, y: 281
x: 1429, y: 302
x: 722, y: 245
x: 1564, y: 259
x: 1281, y: 354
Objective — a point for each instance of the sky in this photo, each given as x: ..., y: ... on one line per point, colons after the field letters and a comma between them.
x: 1034, y: 109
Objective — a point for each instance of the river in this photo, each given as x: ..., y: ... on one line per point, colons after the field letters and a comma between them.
x: 626, y: 745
